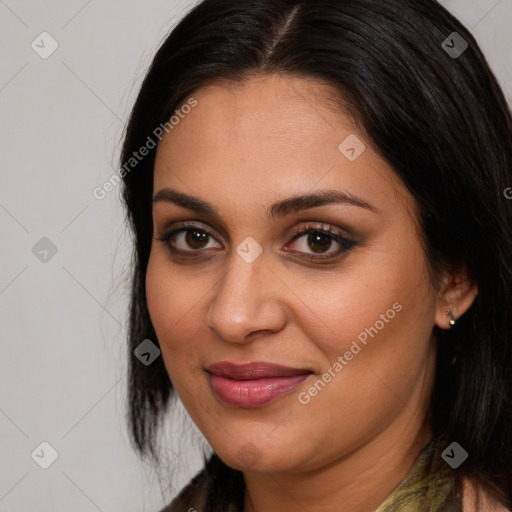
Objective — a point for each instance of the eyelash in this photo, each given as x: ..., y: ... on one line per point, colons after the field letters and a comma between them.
x: 345, y: 243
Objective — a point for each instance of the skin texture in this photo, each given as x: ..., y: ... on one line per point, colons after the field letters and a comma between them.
x: 243, y: 147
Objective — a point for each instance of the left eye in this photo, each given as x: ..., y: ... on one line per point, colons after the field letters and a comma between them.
x: 319, y: 241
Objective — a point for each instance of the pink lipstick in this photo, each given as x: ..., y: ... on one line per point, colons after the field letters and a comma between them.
x: 253, y: 384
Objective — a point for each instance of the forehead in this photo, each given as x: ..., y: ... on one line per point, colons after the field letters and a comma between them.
x: 270, y: 137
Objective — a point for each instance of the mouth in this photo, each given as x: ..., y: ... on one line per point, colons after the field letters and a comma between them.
x: 253, y: 384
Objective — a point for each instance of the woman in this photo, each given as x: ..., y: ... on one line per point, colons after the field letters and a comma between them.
x: 322, y: 256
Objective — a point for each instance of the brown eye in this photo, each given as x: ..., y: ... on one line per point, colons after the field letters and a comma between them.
x: 320, y: 241
x: 317, y: 242
x: 196, y: 239
x: 188, y: 240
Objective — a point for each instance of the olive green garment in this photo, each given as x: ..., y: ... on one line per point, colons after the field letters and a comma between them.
x: 428, y: 487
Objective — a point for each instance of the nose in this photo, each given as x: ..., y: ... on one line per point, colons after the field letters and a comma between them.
x: 246, y: 300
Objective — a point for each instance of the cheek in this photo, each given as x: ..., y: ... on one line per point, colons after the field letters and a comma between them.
x: 380, y: 298
x: 375, y: 368
x: 174, y: 304
x: 378, y: 318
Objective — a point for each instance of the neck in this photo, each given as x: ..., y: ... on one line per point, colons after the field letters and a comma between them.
x: 361, y: 480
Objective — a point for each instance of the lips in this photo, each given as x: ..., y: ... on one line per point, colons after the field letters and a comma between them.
x: 253, y: 384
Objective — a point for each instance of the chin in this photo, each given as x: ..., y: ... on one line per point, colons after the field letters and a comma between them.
x: 249, y: 457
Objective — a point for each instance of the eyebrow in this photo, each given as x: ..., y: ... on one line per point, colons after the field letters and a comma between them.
x: 276, y: 210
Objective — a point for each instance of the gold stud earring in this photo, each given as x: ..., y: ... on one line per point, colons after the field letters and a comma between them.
x: 452, y: 317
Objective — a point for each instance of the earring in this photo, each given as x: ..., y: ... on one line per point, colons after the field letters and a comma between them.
x: 452, y: 317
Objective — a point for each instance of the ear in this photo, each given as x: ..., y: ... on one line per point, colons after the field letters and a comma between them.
x: 456, y: 294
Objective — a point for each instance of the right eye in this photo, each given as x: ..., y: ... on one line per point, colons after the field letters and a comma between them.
x: 187, y: 240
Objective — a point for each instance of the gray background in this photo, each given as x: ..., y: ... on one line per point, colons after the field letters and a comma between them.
x: 63, y: 358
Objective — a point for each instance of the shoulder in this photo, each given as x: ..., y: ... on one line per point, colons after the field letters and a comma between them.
x: 216, y: 487
x: 192, y: 497
x: 476, y: 499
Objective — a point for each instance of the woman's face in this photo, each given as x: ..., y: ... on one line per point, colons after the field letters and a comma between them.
x: 350, y: 312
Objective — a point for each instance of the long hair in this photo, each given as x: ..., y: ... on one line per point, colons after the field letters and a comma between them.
x: 440, y: 120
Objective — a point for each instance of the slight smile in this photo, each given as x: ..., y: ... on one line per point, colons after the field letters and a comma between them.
x: 253, y: 384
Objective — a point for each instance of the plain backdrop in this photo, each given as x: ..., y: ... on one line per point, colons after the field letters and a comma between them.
x: 65, y: 255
